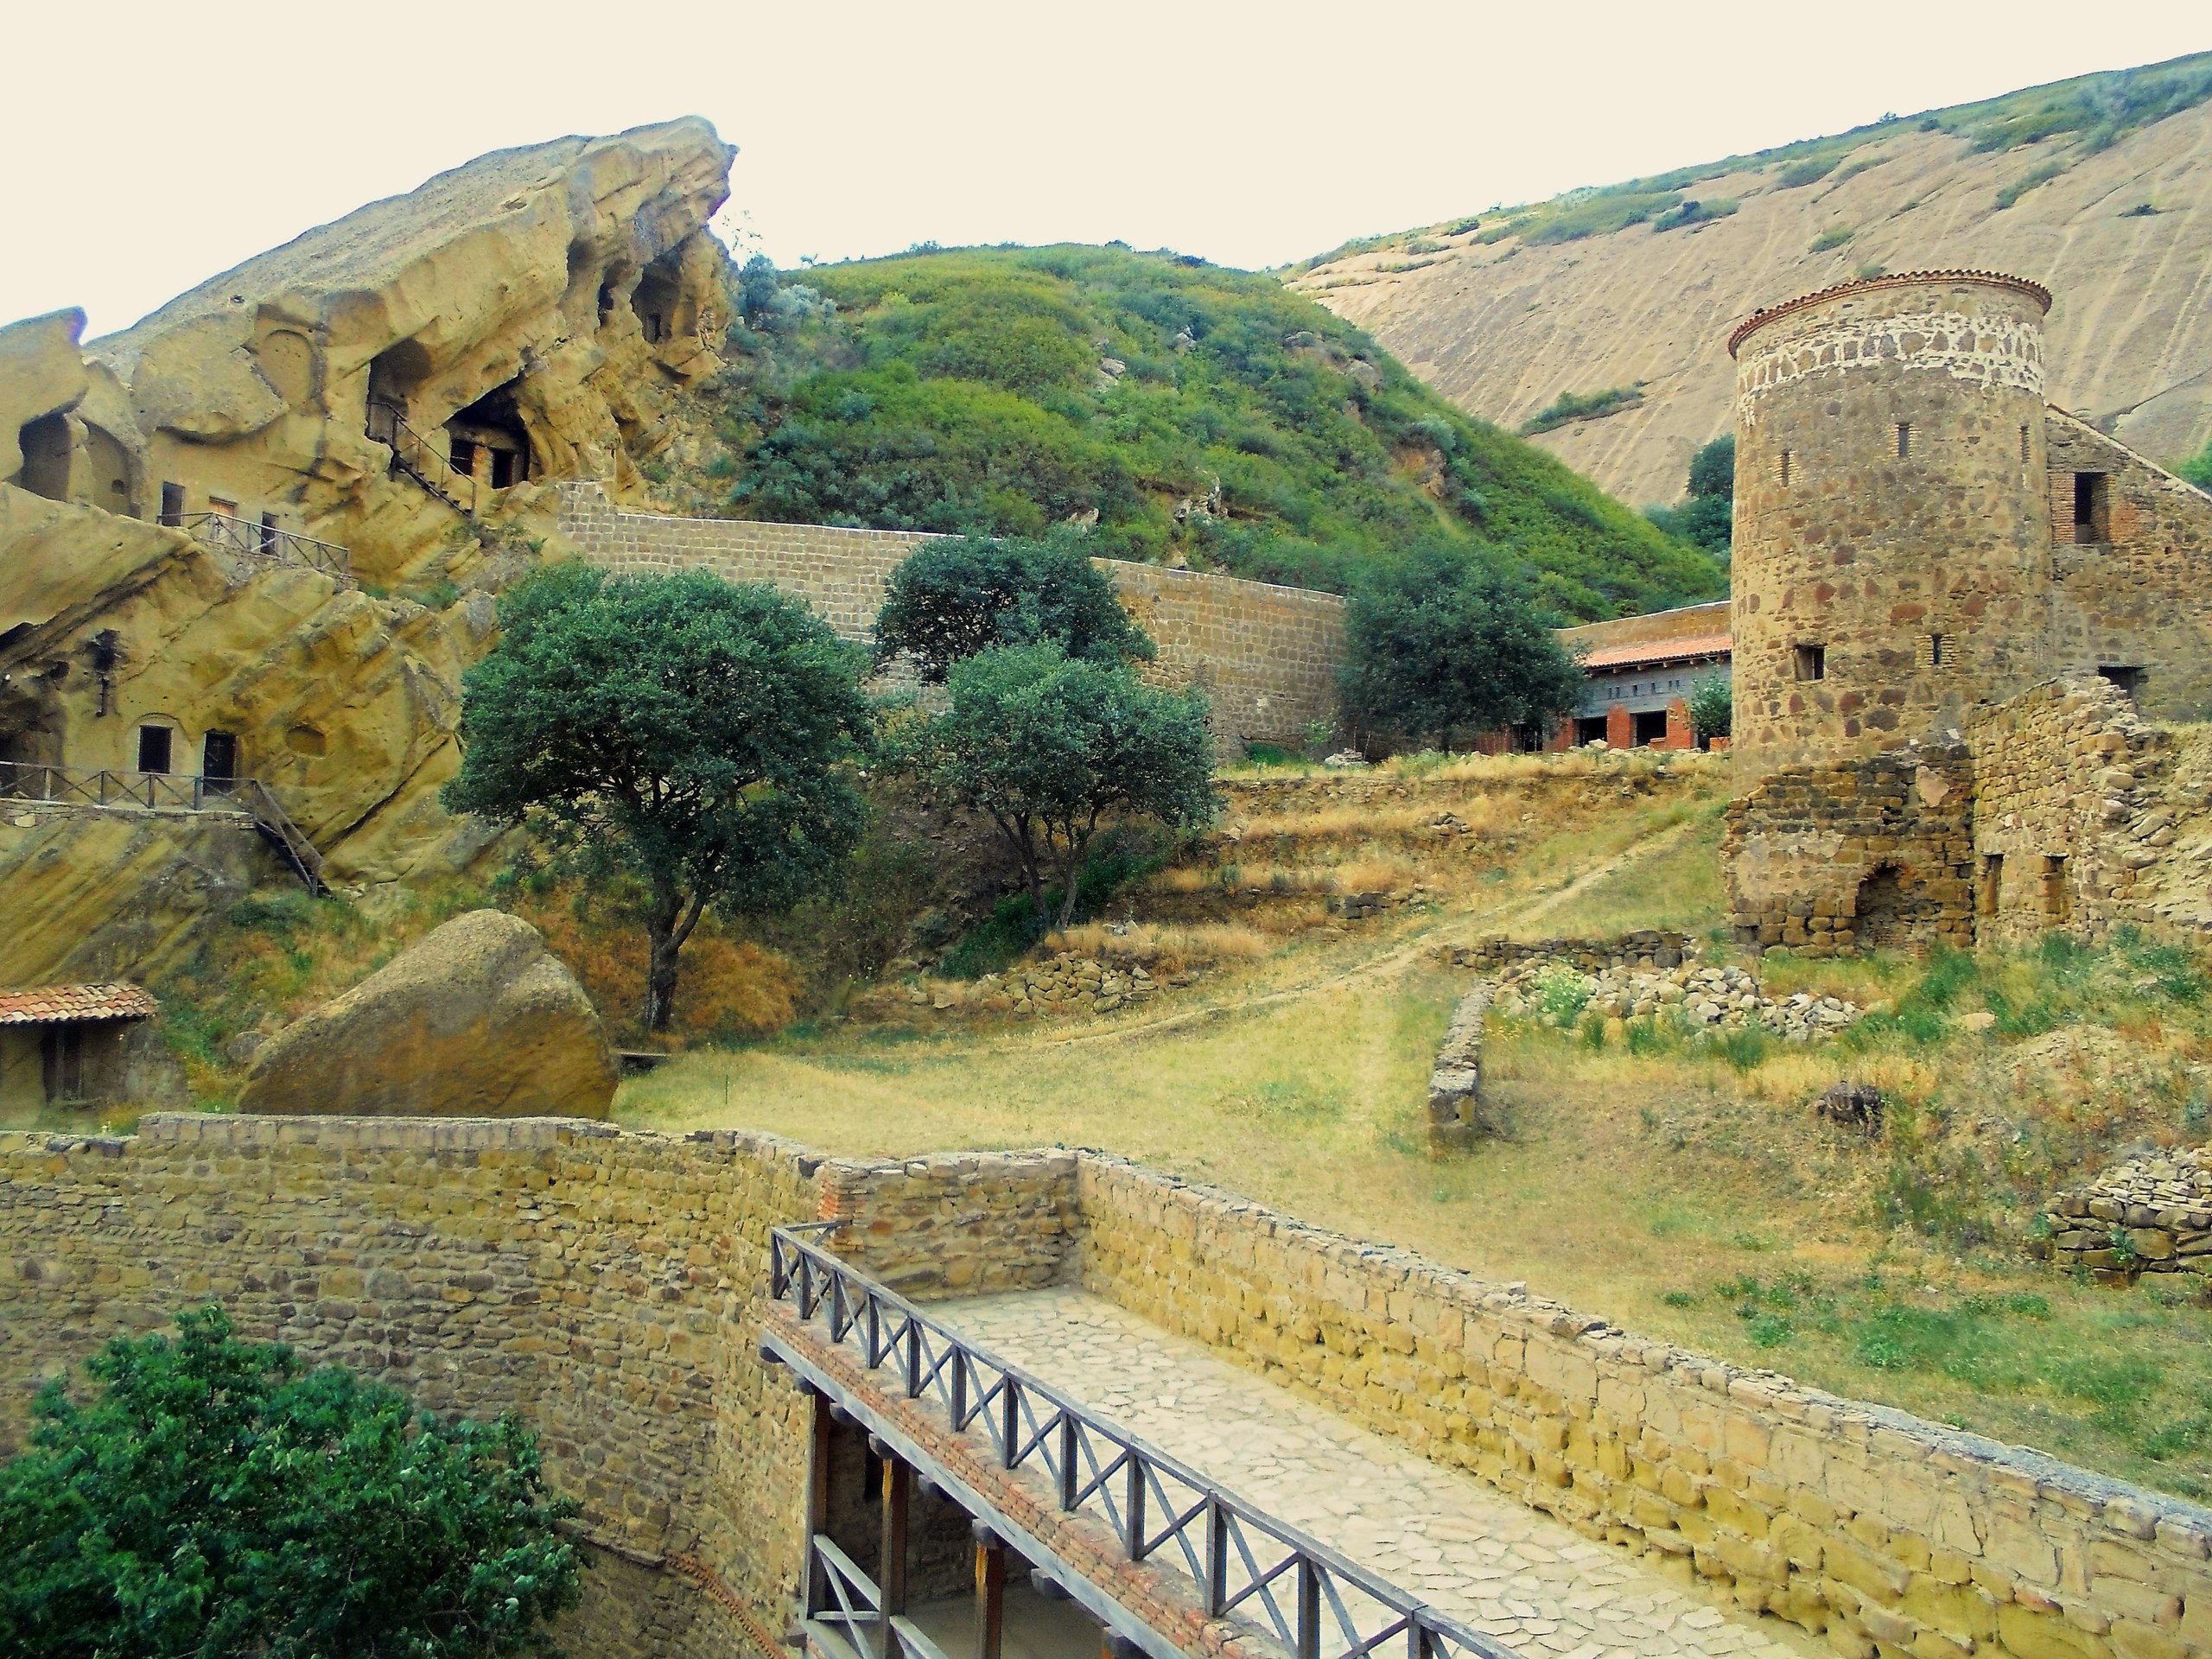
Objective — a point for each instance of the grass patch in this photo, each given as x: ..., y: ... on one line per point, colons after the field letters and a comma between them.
x: 1569, y: 407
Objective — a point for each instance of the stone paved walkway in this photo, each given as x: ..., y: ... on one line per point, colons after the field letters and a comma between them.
x: 1514, y: 1574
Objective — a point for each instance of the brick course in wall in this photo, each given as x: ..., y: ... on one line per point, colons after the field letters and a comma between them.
x: 1266, y: 657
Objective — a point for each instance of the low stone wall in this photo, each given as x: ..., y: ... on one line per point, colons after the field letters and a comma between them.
x: 1645, y: 949
x: 1455, y: 1085
x: 1892, y: 1535
x: 1831, y: 859
x: 2149, y: 1215
x: 1266, y: 657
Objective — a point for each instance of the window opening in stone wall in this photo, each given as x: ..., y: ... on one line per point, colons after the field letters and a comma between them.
x: 1812, y: 661
x: 1880, y: 913
x: 2057, y: 903
x: 218, y: 759
x: 1904, y: 439
x: 46, y: 444
x: 173, y: 505
x: 1937, y: 645
x: 506, y: 469
x: 1647, y: 727
x: 1784, y: 469
x: 2024, y: 443
x: 461, y: 455
x: 1989, y: 895
x: 1590, y: 729
x: 2092, y: 515
x: 153, y: 748
x: 2129, y: 680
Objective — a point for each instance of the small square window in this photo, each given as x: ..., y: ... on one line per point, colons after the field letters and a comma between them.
x: 1812, y: 661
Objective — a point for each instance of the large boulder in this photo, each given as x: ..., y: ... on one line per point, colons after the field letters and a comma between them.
x: 479, y: 1020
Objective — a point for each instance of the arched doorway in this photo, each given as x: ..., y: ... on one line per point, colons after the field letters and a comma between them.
x: 1882, y: 916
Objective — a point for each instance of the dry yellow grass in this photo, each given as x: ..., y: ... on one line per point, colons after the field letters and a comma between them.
x: 1156, y: 944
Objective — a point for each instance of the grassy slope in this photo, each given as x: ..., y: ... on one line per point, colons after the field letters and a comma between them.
x: 952, y: 391
x: 1661, y: 1187
x: 2093, y: 112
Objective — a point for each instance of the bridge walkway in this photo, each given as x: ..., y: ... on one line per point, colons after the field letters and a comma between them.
x: 1512, y: 1572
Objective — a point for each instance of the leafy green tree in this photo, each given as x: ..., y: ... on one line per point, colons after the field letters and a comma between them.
x: 1047, y: 746
x: 1439, y: 649
x: 687, y: 731
x: 951, y: 599
x: 2197, y: 469
x: 1706, y: 516
x: 219, y: 1499
x: 1713, y: 708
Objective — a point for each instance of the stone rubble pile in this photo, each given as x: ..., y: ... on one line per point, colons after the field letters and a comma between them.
x: 1061, y: 985
x: 2148, y: 1215
x: 1700, y: 995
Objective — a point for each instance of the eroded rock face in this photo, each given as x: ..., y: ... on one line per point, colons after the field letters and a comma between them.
x: 478, y: 1020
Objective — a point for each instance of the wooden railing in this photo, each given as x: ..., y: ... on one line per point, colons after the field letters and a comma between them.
x: 418, y: 458
x: 249, y: 540
x: 25, y: 780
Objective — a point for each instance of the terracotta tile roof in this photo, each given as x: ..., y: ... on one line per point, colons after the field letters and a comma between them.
x: 47, y: 1005
x: 1767, y: 314
x: 1639, y: 652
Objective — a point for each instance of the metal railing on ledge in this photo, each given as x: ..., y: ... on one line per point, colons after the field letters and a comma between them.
x: 24, y: 780
x: 418, y: 458
x: 249, y: 540
x: 852, y: 1629
x: 1243, y: 1561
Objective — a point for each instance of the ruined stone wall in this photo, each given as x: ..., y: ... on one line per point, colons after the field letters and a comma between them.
x: 1888, y: 1533
x: 1266, y: 657
x: 2065, y: 813
x: 2133, y: 574
x: 1855, y: 854
x: 1892, y: 548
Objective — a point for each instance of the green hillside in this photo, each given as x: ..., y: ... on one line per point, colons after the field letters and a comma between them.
x: 1195, y: 411
x: 2089, y: 113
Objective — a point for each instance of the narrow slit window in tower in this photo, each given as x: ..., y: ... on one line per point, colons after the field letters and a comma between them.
x: 1812, y: 661
x: 2024, y: 443
x: 1785, y: 468
x: 1904, y: 439
x: 1990, y: 896
x: 2057, y: 904
x: 1937, y: 645
x: 2092, y: 507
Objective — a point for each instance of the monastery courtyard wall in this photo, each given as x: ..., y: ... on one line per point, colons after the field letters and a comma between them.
x: 1266, y: 657
x: 606, y: 1285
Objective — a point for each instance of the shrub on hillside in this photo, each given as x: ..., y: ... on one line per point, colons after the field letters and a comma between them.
x: 220, y: 1497
x: 1570, y: 406
x: 1712, y: 708
x: 1706, y: 516
x: 1441, y: 649
x: 949, y: 599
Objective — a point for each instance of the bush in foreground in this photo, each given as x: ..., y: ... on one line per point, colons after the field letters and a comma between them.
x: 221, y: 1499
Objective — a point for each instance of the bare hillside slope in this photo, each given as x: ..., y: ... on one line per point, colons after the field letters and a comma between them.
x: 1504, y: 316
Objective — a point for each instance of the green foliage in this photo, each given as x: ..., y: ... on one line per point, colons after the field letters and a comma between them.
x: 1811, y: 170
x: 1047, y: 745
x: 1705, y: 518
x: 1573, y: 406
x: 1601, y: 213
x: 1438, y: 648
x: 1833, y: 237
x: 1695, y: 211
x: 1713, y: 708
x: 2197, y: 469
x: 2027, y: 182
x: 949, y: 599
x: 1562, y: 993
x: 217, y: 1497
x: 1005, y: 936
x: 1248, y: 428
x: 686, y: 731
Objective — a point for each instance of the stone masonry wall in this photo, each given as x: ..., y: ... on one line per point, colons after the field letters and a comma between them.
x: 1828, y: 859
x: 2133, y: 590
x: 1894, y: 1536
x: 2065, y: 816
x: 1266, y: 656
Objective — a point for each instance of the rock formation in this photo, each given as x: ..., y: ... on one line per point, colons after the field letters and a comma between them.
x: 1502, y: 327
x: 477, y: 1019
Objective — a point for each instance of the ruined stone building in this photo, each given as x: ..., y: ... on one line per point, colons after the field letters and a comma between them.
x: 1957, y: 614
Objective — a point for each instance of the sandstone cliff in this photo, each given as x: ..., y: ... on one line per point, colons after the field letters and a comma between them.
x: 2122, y: 237
x: 347, y: 444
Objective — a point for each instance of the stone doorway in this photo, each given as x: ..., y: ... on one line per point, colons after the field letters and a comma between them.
x: 1883, y: 916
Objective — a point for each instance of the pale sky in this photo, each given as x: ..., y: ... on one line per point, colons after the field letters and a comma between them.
x: 152, y: 145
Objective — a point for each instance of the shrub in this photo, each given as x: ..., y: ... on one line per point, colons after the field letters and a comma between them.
x: 1834, y: 238
x: 220, y: 1497
x: 1562, y: 993
x: 2020, y: 186
x: 1811, y: 170
x: 2197, y: 469
x: 1713, y: 708
x: 949, y: 599
x: 1572, y: 406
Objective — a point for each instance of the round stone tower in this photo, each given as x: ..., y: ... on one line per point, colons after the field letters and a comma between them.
x: 1892, y: 542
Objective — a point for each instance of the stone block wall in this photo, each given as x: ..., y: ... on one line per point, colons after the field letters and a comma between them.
x: 1266, y: 657
x: 2131, y: 587
x: 1891, y: 1534
x: 2065, y: 781
x: 1878, y: 851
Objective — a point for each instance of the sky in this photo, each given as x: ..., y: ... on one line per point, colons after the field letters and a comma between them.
x: 154, y: 145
